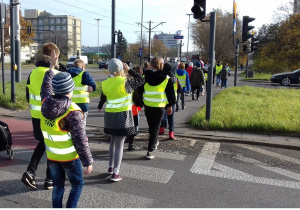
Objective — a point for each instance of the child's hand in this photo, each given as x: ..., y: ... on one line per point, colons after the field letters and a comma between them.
x: 88, y: 169
x: 169, y: 110
x: 90, y: 89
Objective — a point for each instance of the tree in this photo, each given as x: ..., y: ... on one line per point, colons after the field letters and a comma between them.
x: 224, y: 48
x: 25, y: 38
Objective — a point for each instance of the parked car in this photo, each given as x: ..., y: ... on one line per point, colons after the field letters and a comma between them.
x: 71, y: 60
x: 287, y: 78
x: 103, y: 64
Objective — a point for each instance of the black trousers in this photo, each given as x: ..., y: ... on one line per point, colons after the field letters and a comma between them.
x: 198, y: 90
x: 181, y: 96
x: 154, y: 116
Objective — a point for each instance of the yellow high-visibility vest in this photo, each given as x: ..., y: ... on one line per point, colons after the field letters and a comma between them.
x: 155, y: 96
x: 218, y: 69
x: 59, y: 144
x: 36, y: 79
x: 182, y: 79
x: 117, y: 99
x: 80, y: 92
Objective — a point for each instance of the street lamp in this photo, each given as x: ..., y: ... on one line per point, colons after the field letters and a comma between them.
x: 98, y: 35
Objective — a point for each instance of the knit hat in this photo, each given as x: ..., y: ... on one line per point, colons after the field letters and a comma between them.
x: 167, y: 67
x: 115, y: 65
x: 198, y: 64
x: 62, y: 83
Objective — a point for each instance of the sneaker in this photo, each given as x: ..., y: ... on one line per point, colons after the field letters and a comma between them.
x: 183, y: 107
x: 116, y: 177
x: 48, y: 184
x: 131, y: 148
x: 29, y: 179
x: 193, y: 97
x: 171, y: 135
x: 149, y: 155
x: 156, y: 145
x: 161, y: 131
x: 176, y: 109
x: 110, y: 170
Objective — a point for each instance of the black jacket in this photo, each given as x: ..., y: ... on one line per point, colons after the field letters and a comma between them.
x: 154, y: 78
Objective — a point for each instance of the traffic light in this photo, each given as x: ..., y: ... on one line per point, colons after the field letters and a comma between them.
x: 246, y: 28
x: 199, y: 9
x: 254, y: 43
x: 28, y: 29
x: 120, y: 37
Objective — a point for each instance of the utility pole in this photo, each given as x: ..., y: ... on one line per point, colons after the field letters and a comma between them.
x: 2, y: 23
x: 17, y: 40
x: 113, y: 34
x: 187, y: 46
x: 98, y: 35
x: 150, y: 29
x: 141, y: 54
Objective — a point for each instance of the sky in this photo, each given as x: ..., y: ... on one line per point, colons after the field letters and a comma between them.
x: 128, y: 14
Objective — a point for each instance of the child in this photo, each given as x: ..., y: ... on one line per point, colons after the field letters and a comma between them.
x: 64, y: 135
x: 136, y: 108
x: 118, y: 119
x: 84, y: 84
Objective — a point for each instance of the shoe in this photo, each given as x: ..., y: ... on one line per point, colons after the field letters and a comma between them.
x: 176, y: 109
x: 193, y: 97
x: 131, y: 148
x: 149, y: 155
x: 161, y: 131
x: 116, y: 177
x: 198, y: 99
x: 110, y: 170
x: 29, y: 179
x: 48, y: 184
x: 203, y: 93
x: 156, y: 145
x: 183, y: 107
x: 171, y: 135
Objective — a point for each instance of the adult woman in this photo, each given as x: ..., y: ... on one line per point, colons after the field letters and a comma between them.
x: 158, y: 92
x: 118, y: 119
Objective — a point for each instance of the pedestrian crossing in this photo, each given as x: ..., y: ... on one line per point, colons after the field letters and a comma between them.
x: 93, y: 196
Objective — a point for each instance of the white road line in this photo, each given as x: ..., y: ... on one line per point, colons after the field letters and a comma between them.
x: 269, y: 153
x: 192, y: 142
x: 206, y: 158
x: 273, y: 169
x: 90, y: 197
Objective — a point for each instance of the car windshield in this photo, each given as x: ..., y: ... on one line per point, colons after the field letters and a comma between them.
x: 71, y: 59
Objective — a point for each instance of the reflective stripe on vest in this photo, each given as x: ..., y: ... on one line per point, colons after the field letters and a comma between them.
x: 80, y: 94
x: 59, y: 144
x: 117, y: 99
x: 36, y: 79
x: 155, y: 96
x: 218, y: 68
x: 205, y: 76
x: 181, y: 79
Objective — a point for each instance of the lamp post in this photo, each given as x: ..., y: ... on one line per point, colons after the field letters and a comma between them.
x: 98, y: 35
x: 187, y: 46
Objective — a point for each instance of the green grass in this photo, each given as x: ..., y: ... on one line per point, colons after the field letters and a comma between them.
x: 20, y: 91
x: 251, y: 109
x: 257, y: 76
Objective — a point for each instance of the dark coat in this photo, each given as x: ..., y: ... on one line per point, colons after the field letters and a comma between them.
x: 224, y: 74
x: 197, y: 77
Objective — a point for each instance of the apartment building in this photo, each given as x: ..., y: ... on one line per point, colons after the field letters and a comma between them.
x: 65, y: 28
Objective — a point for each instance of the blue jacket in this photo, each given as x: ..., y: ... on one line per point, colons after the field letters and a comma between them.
x: 181, y: 72
x: 87, y: 79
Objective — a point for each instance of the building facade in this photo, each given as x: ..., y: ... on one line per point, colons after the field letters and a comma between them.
x: 296, y: 6
x: 64, y: 29
x: 168, y: 39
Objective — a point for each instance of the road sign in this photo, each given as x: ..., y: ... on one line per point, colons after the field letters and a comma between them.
x: 141, y: 49
x: 178, y: 37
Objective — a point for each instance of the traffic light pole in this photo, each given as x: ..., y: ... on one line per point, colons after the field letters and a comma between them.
x: 113, y: 23
x: 236, y: 60
x: 211, y: 63
x: 247, y: 65
x: 12, y: 50
x: 17, y: 41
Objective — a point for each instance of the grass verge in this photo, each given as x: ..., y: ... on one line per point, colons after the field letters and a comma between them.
x: 252, y: 109
x: 257, y: 76
x: 20, y: 91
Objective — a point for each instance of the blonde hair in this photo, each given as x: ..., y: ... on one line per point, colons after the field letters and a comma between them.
x: 119, y: 73
x: 155, y: 63
x: 78, y: 63
x: 181, y: 66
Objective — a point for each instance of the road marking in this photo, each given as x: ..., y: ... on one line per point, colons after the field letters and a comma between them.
x: 206, y: 158
x: 192, y: 142
x: 205, y: 162
x: 274, y: 169
x: 10, y: 183
x: 269, y: 153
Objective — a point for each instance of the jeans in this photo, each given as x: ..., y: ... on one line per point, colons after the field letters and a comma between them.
x: 74, y: 173
x: 168, y: 119
x: 224, y: 83
x: 154, y: 116
x: 218, y: 78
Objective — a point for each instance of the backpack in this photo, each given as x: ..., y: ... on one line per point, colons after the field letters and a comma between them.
x: 5, y: 139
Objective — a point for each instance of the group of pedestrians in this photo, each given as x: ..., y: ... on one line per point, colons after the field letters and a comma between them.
x: 221, y: 73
